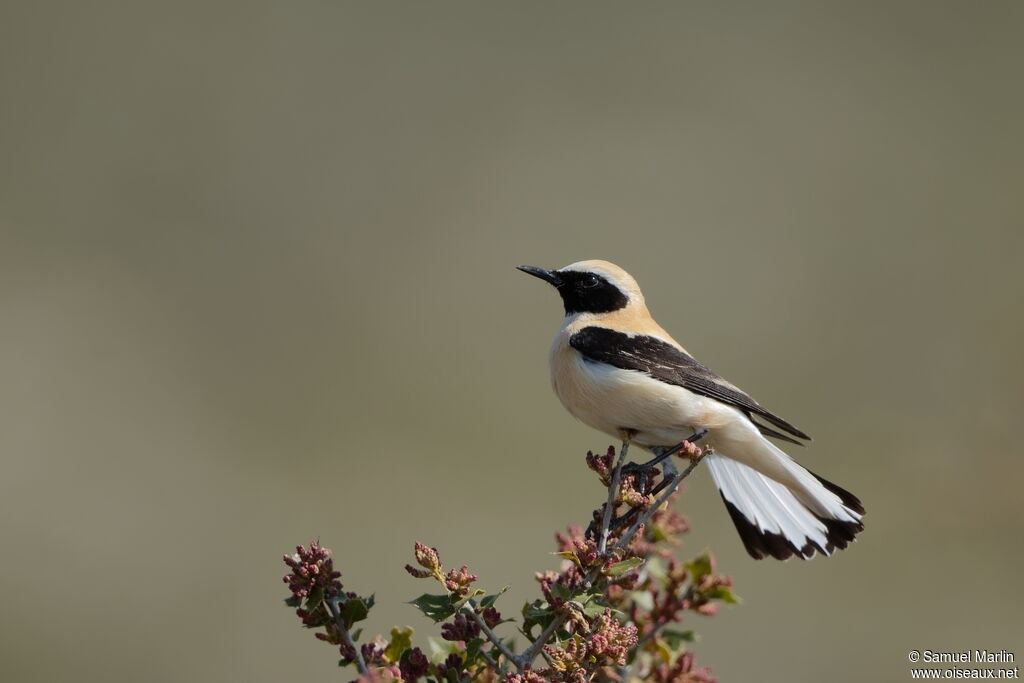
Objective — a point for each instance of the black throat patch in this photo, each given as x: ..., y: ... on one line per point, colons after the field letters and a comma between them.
x: 589, y: 293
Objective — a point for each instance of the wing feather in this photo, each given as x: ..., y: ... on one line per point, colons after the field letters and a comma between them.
x: 667, y: 363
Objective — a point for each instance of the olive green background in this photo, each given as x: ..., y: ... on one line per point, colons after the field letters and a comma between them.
x: 257, y: 285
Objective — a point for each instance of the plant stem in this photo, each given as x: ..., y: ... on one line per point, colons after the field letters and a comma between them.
x: 556, y: 623
x: 613, y: 492
x: 492, y: 636
x: 665, y: 495
x: 332, y: 606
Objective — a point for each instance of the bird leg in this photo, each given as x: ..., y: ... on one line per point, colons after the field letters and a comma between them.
x: 662, y: 454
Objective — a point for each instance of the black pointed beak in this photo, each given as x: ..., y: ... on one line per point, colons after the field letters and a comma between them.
x: 548, y: 276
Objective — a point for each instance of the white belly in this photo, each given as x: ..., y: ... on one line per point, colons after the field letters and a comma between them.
x: 613, y: 400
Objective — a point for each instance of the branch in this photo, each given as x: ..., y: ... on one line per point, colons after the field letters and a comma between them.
x: 613, y: 492
x: 535, y: 647
x: 493, y: 637
x: 627, y: 537
x: 332, y: 606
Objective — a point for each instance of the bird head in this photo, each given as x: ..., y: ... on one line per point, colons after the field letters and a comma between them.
x: 591, y: 286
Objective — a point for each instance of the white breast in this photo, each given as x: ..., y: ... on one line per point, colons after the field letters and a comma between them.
x: 612, y: 400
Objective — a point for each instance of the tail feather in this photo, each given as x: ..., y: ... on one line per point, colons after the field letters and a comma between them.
x: 774, y: 520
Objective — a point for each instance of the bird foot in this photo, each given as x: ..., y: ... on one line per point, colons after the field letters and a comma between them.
x: 662, y: 454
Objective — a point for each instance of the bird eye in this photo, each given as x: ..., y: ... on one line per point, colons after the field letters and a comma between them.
x: 589, y: 282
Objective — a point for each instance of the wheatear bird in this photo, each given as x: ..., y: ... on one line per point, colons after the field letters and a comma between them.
x: 614, y: 368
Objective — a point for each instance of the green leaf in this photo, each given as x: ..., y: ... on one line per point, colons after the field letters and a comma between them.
x: 401, y: 640
x: 536, y: 613
x: 569, y: 555
x: 436, y: 607
x: 662, y: 650
x: 624, y: 567
x: 657, y: 533
x: 593, y: 608
x: 473, y: 649
x: 560, y: 591
x: 459, y: 602
x: 723, y: 593
x: 315, y: 597
x: 699, y: 567
x: 293, y: 601
x: 355, y: 610
x: 674, y: 638
x: 488, y: 601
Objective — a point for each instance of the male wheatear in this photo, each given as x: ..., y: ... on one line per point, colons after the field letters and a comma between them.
x: 614, y: 368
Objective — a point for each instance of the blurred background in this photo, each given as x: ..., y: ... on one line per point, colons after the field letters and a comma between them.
x: 257, y: 286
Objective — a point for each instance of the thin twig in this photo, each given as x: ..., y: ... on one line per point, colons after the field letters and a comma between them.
x: 535, y: 647
x: 613, y: 493
x: 492, y: 636
x: 665, y: 495
x: 332, y: 606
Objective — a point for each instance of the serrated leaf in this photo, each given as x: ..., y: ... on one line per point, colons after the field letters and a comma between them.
x: 674, y: 638
x: 489, y: 600
x: 536, y: 613
x: 594, y: 608
x: 560, y: 591
x: 459, y: 602
x: 624, y: 567
x: 401, y: 640
x: 436, y: 607
x: 293, y: 601
x: 354, y: 611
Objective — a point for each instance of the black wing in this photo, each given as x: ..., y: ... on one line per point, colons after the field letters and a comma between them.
x: 666, y: 363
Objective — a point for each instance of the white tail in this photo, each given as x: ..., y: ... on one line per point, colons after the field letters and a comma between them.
x: 807, y: 515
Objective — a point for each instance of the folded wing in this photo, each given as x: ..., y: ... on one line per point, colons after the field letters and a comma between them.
x: 667, y: 363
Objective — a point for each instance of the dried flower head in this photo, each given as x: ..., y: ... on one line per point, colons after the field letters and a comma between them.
x: 414, y: 664
x: 610, y: 640
x: 312, y: 568
x: 602, y: 464
x: 459, y: 580
x: 460, y: 628
x: 491, y: 617
x: 427, y: 558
